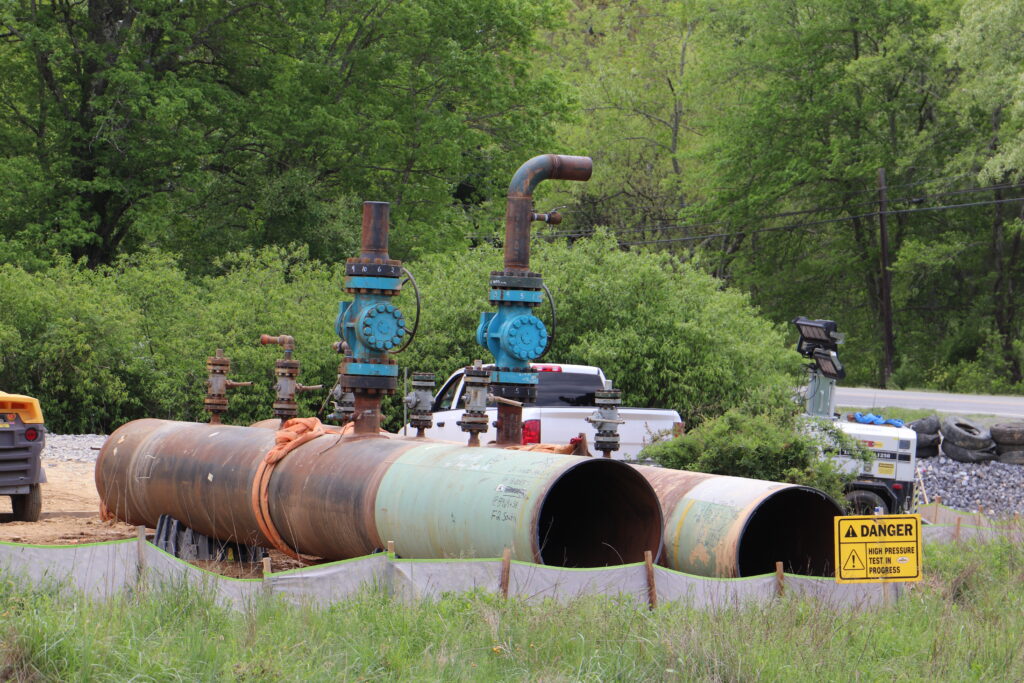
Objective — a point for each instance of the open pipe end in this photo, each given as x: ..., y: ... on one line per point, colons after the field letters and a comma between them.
x: 599, y: 513
x: 793, y: 526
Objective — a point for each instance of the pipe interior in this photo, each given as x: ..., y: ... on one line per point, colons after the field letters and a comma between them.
x: 600, y: 513
x: 793, y: 526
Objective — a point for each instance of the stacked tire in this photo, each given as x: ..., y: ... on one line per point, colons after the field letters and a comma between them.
x: 927, y: 429
x: 966, y: 441
x: 1009, y: 440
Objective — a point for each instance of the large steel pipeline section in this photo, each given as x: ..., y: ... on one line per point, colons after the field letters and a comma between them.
x: 338, y: 497
x: 731, y: 526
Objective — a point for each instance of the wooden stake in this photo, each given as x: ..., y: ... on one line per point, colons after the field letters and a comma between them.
x: 140, y: 535
x: 780, y: 580
x: 391, y: 547
x: 938, y: 504
x: 266, y: 567
x: 652, y: 588
x: 506, y: 571
x: 956, y: 534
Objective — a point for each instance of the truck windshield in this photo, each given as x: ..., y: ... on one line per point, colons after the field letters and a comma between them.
x: 566, y: 389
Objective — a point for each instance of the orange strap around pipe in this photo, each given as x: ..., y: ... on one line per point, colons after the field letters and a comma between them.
x: 293, y: 433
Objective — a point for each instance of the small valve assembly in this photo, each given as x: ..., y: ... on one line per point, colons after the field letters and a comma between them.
x: 606, y: 420
x: 286, y: 369
x: 474, y: 419
x: 217, y: 385
x: 419, y: 401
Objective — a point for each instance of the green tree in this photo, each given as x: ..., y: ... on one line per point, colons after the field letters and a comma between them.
x: 807, y: 101
x: 632, y: 65
x: 206, y: 127
x: 665, y: 333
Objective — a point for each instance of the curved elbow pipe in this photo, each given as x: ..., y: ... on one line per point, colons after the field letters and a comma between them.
x: 519, y: 213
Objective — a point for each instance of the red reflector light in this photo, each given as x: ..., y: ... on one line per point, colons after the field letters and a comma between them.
x: 897, y: 487
x: 547, y: 368
x: 31, y: 434
x: 11, y: 417
x: 531, y: 431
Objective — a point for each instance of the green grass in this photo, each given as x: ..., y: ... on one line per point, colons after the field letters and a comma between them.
x: 963, y: 622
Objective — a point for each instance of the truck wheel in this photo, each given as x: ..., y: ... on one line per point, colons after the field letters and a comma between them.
x: 863, y: 502
x: 27, y: 506
x: 965, y: 434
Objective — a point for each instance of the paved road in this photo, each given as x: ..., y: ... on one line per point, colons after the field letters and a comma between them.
x: 960, y: 404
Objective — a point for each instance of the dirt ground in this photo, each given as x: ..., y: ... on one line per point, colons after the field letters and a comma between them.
x: 70, y: 511
x: 71, y: 516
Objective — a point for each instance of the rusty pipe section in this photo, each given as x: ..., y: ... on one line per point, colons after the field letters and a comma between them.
x: 337, y: 496
x: 519, y: 211
x: 376, y: 222
x: 731, y: 527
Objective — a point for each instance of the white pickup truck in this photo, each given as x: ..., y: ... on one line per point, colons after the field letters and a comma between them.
x: 565, y: 397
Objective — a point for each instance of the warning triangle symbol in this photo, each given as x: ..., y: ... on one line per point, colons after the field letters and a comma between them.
x: 850, y: 533
x: 853, y: 562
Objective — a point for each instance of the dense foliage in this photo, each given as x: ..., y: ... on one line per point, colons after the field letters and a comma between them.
x: 749, y: 135
x: 774, y: 444
x: 101, y: 346
x: 176, y: 175
x: 205, y: 127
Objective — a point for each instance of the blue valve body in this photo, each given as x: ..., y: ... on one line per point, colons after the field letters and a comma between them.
x: 513, y: 335
x: 370, y: 324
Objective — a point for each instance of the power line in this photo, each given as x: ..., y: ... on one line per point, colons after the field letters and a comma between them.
x: 786, y: 214
x: 808, y: 224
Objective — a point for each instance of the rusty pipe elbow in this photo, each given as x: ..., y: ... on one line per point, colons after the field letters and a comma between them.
x: 519, y: 213
x: 287, y: 342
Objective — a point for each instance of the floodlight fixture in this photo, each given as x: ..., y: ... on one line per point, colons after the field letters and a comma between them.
x: 815, y: 334
x: 827, y: 364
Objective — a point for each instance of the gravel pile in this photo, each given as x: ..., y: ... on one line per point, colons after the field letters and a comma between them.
x: 997, y: 487
x: 73, y: 447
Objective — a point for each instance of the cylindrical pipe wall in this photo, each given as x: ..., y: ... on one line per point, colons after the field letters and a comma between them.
x: 337, y: 497
x: 519, y: 211
x: 376, y: 223
x: 731, y: 527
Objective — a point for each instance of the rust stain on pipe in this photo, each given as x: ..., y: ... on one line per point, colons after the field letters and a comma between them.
x: 375, y: 230
x: 343, y: 496
x: 731, y: 527
x: 519, y: 211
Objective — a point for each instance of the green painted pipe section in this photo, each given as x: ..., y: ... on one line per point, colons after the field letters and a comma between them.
x: 442, y: 495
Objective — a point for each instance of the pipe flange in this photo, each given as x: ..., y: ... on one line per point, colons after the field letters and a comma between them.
x: 218, y: 365
x: 366, y: 382
x: 524, y: 393
x: 361, y: 267
x: 381, y: 327
x: 525, y: 337
x: 501, y: 280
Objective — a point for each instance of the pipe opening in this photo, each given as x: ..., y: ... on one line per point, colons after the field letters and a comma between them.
x: 600, y: 513
x: 794, y: 526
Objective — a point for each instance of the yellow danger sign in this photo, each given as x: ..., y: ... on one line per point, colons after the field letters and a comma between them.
x: 878, y: 548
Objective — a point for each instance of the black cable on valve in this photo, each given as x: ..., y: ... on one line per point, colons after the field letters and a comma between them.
x: 415, y: 325
x: 554, y: 320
